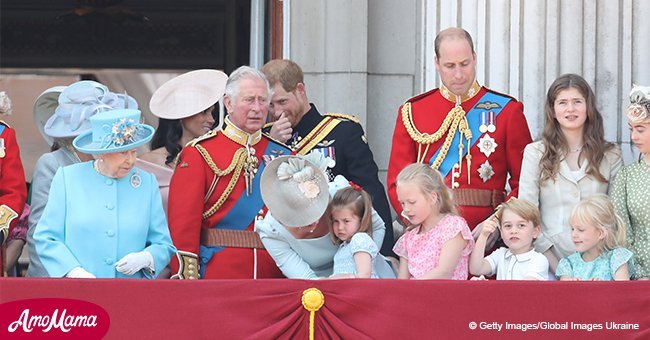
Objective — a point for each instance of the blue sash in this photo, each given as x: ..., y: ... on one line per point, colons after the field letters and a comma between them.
x: 245, y: 209
x: 486, y: 103
x: 2, y: 128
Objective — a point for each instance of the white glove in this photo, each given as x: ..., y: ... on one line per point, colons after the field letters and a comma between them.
x: 134, y: 262
x: 80, y: 273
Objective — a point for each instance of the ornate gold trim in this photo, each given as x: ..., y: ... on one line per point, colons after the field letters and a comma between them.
x: 316, y: 135
x: 188, y: 266
x: 343, y: 116
x: 235, y: 168
x: 450, y: 96
x: 454, y: 121
x: 239, y: 136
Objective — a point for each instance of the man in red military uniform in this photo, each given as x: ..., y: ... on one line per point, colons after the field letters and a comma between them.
x: 214, y: 195
x: 13, y: 191
x: 440, y: 126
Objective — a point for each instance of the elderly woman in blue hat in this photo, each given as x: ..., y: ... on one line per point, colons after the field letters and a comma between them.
x: 61, y: 113
x: 105, y: 218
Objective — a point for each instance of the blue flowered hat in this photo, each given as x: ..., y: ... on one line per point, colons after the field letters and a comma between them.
x: 114, y: 131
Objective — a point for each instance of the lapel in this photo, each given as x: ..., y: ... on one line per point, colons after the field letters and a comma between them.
x: 565, y: 172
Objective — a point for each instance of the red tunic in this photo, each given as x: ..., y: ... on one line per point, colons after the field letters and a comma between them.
x: 428, y: 112
x: 190, y: 182
x: 13, y: 191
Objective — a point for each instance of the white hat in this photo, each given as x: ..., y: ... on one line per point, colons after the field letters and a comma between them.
x: 188, y: 94
x: 294, y: 190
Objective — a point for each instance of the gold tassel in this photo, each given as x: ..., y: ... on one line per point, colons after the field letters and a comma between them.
x: 312, y: 300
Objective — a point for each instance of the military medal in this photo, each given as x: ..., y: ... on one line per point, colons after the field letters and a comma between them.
x: 483, y: 127
x: 485, y: 171
x: 487, y: 145
x: 136, y: 180
x: 491, y: 127
x: 2, y: 148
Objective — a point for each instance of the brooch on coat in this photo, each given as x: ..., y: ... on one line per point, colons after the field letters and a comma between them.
x: 136, y: 180
x: 487, y: 145
x: 485, y: 171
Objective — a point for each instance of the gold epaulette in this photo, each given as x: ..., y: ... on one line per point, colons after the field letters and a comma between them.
x: 343, y: 116
x: 203, y: 137
x: 188, y: 266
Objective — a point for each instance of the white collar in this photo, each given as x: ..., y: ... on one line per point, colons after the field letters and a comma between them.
x: 521, y: 257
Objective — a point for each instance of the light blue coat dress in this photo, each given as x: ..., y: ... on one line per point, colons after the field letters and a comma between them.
x: 93, y: 221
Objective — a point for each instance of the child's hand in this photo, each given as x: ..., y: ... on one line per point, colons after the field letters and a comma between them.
x: 489, y: 226
x: 478, y: 278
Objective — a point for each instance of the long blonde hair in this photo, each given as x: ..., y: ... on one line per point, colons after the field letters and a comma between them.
x: 593, y: 133
x: 429, y: 181
x: 598, y: 211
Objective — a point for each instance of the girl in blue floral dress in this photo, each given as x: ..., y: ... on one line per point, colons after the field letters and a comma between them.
x: 598, y: 234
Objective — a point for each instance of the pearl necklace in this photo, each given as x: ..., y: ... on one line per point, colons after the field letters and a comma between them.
x: 99, y: 171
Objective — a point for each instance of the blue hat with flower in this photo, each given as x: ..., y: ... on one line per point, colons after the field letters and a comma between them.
x: 114, y: 131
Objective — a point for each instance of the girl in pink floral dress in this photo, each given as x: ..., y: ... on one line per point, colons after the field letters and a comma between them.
x: 438, y: 242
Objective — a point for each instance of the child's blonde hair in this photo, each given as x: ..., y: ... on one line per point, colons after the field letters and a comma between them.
x: 598, y: 211
x: 523, y: 209
x: 429, y: 180
x: 357, y: 200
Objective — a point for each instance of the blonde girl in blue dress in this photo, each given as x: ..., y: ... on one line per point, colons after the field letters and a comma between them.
x: 352, y: 230
x: 598, y: 235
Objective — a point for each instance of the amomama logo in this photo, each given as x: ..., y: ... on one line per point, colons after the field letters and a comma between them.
x: 50, y: 317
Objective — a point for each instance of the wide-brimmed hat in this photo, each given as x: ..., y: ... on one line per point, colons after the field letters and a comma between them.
x: 294, y: 190
x: 63, y: 111
x: 188, y: 94
x: 114, y: 131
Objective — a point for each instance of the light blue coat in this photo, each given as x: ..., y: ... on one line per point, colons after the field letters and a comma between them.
x: 93, y: 221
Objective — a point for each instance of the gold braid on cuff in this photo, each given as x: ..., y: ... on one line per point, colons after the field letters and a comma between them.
x: 188, y: 266
x: 6, y: 216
